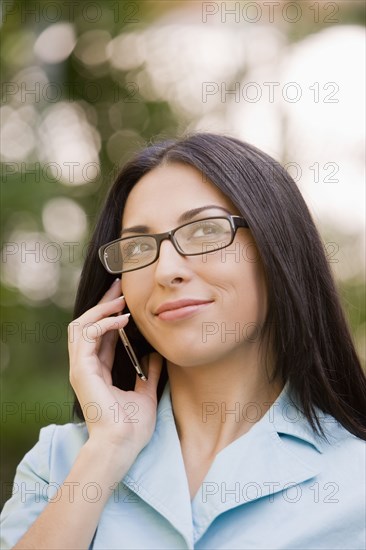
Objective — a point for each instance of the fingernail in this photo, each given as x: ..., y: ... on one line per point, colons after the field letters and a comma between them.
x: 116, y: 281
x: 120, y: 298
x: 126, y: 314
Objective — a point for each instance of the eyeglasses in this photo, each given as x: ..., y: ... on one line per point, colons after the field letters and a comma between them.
x: 191, y: 239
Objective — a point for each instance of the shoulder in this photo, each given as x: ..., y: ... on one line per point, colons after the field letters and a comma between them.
x: 332, y: 467
x: 43, y: 468
x: 337, y: 446
x: 341, y: 447
x: 66, y: 438
x: 66, y: 435
x: 290, y: 417
x: 57, y: 448
x: 336, y: 437
x: 70, y: 433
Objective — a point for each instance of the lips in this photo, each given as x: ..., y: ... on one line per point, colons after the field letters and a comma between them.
x: 181, y: 309
x: 179, y: 304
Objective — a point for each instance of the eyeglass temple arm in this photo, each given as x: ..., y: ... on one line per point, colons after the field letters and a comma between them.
x: 240, y: 222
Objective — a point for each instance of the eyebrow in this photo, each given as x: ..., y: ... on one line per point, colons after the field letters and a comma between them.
x: 185, y: 217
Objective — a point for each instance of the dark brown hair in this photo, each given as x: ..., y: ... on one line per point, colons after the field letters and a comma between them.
x: 312, y: 343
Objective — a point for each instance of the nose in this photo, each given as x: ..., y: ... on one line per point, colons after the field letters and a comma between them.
x: 171, y: 267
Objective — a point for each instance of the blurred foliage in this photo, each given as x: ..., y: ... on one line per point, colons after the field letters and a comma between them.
x: 35, y: 388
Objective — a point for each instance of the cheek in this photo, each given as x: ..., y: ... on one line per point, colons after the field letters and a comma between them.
x: 255, y: 292
x: 136, y: 293
x: 244, y: 287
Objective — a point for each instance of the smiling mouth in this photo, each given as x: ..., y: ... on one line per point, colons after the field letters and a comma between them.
x: 182, y: 312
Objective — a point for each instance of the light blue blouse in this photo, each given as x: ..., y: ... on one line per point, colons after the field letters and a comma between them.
x: 278, y: 486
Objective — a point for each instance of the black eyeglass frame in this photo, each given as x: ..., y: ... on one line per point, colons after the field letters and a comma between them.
x: 235, y: 223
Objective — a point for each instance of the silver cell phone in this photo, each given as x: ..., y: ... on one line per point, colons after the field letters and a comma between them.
x: 131, y: 354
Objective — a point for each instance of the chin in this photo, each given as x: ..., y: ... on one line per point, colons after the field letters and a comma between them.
x: 192, y: 356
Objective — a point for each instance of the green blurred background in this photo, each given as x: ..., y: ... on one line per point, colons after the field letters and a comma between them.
x: 85, y: 84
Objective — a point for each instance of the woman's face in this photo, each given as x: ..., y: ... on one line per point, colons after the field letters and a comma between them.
x: 229, y: 282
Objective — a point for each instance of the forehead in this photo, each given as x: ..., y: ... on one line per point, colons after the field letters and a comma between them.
x: 168, y: 191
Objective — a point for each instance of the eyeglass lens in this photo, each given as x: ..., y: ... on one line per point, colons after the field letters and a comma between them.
x: 200, y: 237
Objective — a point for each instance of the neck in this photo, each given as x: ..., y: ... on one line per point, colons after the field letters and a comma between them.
x: 215, y: 404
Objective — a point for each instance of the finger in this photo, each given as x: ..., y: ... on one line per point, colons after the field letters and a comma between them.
x: 100, y: 311
x: 108, y: 347
x: 92, y: 332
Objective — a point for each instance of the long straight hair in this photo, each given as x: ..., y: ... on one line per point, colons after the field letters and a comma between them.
x: 305, y: 322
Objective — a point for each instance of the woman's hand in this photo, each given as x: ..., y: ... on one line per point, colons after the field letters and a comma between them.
x: 112, y: 416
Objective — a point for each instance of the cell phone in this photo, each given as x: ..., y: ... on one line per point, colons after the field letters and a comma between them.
x: 131, y: 354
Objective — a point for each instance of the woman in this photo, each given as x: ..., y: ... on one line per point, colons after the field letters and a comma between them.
x: 248, y: 432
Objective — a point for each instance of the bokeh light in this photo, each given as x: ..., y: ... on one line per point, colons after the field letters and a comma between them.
x: 64, y: 220
x: 55, y: 43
